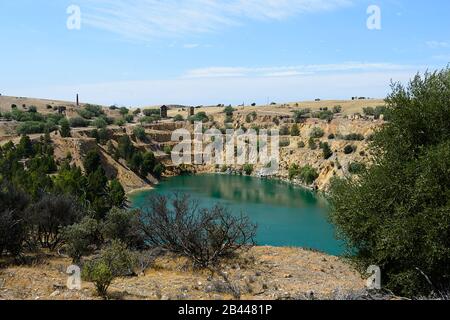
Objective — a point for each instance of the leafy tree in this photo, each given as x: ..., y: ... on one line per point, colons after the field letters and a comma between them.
x: 148, y: 163
x: 124, y: 225
x: 92, y: 161
x: 397, y: 213
x: 126, y: 148
x: 117, y: 194
x: 49, y: 215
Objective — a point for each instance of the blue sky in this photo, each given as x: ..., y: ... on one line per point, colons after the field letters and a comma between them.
x: 199, y: 52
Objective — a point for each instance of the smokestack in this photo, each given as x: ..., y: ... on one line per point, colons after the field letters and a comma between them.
x: 78, y: 101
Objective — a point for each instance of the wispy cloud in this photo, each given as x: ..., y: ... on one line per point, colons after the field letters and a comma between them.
x: 291, y: 71
x: 437, y: 44
x: 146, y: 19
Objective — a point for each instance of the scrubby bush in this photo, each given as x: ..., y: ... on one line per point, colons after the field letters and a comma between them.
x: 308, y: 174
x: 295, y: 131
x: 114, y: 261
x: 327, y: 153
x: 139, y: 132
x: 178, y: 118
x: 285, y: 143
x: 301, y: 144
x: 129, y: 118
x: 65, y: 128
x: 248, y: 169
x: 199, y: 117
x: 349, y: 149
x: 151, y: 112
x: 396, y: 214
x: 312, y: 143
x: 206, y: 236
x: 78, y: 122
x: 229, y: 111
x: 354, y: 137
x: 317, y: 133
x: 284, y: 131
x: 337, y: 109
x: 31, y: 127
x: 82, y: 239
x: 100, y: 123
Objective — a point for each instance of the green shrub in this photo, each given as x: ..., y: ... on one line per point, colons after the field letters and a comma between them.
x: 65, y: 128
x: 312, y: 143
x: 284, y: 131
x: 285, y: 143
x: 229, y: 111
x: 82, y: 239
x: 100, y: 274
x: 356, y: 168
x: 129, y: 118
x: 354, y: 137
x: 120, y: 122
x: 295, y: 131
x: 327, y: 153
x: 317, y: 133
x: 114, y: 261
x: 337, y: 109
x: 331, y: 136
x: 199, y: 117
x: 349, y: 149
x: 248, y: 169
x: 151, y: 112
x: 139, y: 133
x: 301, y: 144
x: 99, y: 123
x: 178, y: 118
x: 294, y: 171
x: 31, y: 127
x: 308, y: 174
x: 78, y: 122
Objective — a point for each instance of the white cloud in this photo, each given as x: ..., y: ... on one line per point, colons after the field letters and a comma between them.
x: 437, y: 44
x: 290, y: 71
x: 191, y: 45
x: 146, y: 19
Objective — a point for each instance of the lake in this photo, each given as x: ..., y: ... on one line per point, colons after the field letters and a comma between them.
x: 286, y: 215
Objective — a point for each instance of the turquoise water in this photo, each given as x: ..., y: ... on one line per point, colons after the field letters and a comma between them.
x: 286, y: 215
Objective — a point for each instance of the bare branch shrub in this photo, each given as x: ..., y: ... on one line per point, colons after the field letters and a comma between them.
x: 205, y: 236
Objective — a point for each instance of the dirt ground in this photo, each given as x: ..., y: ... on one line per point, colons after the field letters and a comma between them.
x: 265, y: 273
